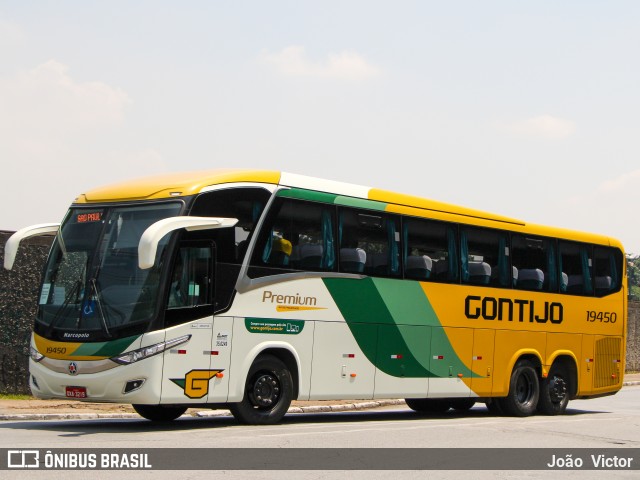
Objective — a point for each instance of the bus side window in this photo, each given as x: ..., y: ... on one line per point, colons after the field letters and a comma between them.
x: 484, y: 257
x: 606, y: 270
x: 369, y: 242
x: 245, y: 204
x: 575, y: 265
x: 191, y: 278
x: 534, y: 263
x: 429, y: 250
x: 297, y: 235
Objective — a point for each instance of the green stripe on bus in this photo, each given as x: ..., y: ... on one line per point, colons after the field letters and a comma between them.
x: 360, y: 203
x: 450, y: 365
x: 406, y: 302
x: 104, y: 349
x: 369, y: 319
x: 395, y: 326
x: 307, y: 195
x: 342, y: 200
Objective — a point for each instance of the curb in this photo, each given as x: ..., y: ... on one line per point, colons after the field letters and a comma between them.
x: 314, y: 408
x: 200, y: 414
x: 217, y: 413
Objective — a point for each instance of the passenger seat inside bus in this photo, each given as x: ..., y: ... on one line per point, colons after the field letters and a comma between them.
x: 564, y: 281
x: 530, y: 279
x: 309, y: 256
x: 496, y: 280
x: 418, y: 267
x: 352, y: 260
x: 603, y: 284
x: 377, y: 264
x: 479, y: 273
x: 575, y: 284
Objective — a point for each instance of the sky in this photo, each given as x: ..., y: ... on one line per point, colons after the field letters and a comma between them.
x: 524, y: 109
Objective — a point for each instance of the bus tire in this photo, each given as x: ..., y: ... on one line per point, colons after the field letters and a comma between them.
x: 159, y: 413
x: 267, y: 394
x: 524, y: 391
x: 428, y: 405
x: 461, y: 404
x: 554, y: 391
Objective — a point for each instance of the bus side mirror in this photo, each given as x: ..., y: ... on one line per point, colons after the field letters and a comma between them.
x: 149, y: 240
x: 11, y: 247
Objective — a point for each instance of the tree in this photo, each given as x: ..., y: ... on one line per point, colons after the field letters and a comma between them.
x: 633, y: 276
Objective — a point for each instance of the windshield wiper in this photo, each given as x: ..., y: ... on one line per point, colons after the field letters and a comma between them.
x: 103, y: 319
x: 74, y: 291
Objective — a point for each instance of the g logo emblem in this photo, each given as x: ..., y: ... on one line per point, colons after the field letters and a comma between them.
x: 73, y: 368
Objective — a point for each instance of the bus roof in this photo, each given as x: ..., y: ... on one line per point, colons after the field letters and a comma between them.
x: 172, y: 185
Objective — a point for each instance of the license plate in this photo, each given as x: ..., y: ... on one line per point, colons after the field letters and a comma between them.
x: 76, y: 392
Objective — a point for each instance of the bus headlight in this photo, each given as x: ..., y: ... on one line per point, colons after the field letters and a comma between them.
x: 35, y: 355
x: 146, y: 352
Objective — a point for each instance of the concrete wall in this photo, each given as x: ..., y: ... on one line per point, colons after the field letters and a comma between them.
x: 19, y: 297
x: 18, y: 300
x: 633, y: 338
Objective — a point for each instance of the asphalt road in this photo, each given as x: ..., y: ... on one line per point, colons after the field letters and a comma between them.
x: 598, y: 424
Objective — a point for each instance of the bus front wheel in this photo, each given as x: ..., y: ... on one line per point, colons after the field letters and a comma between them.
x: 267, y: 394
x: 524, y: 391
x: 159, y: 413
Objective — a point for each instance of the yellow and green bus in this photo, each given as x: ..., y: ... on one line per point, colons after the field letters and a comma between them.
x: 246, y: 290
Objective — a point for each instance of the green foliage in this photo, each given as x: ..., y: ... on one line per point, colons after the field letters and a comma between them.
x: 15, y: 396
x: 633, y: 276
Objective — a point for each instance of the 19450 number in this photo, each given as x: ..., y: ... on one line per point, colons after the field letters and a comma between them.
x: 603, y: 317
x: 57, y: 350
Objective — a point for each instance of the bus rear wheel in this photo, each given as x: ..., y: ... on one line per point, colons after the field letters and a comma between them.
x: 524, y: 391
x: 554, y: 391
x: 268, y: 393
x: 159, y: 413
x: 428, y: 405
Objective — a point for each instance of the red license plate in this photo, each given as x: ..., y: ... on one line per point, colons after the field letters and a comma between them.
x: 76, y: 392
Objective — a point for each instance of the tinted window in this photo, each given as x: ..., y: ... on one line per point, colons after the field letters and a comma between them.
x: 575, y: 268
x: 191, y: 278
x: 245, y: 204
x: 534, y: 263
x: 484, y: 257
x: 430, y: 250
x: 369, y: 242
x: 607, y: 270
x: 297, y: 235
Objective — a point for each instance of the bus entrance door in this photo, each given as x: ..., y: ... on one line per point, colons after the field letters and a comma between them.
x: 187, y: 370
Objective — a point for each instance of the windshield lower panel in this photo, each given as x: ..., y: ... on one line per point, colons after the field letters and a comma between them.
x: 93, y: 289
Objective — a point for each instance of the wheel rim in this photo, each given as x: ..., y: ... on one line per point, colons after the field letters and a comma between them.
x: 525, y: 390
x: 557, y: 389
x: 265, y: 392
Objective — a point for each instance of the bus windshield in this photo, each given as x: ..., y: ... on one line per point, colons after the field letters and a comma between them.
x: 93, y: 288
